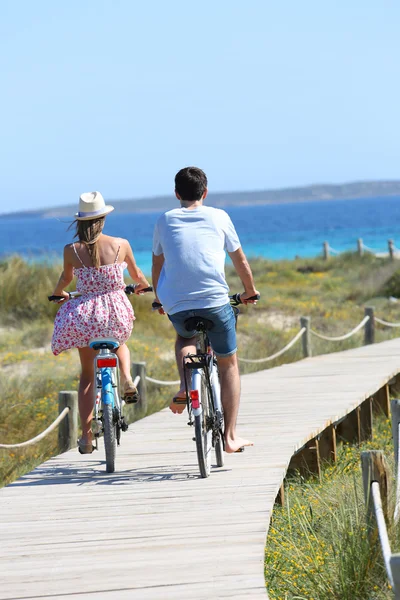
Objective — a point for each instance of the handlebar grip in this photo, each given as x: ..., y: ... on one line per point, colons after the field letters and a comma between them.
x: 156, y: 305
x: 130, y: 289
x: 55, y: 298
x: 236, y: 299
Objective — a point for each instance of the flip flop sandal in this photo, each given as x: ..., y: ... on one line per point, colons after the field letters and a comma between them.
x: 130, y: 394
x: 85, y: 448
x: 179, y: 400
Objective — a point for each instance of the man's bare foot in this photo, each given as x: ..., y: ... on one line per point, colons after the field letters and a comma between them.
x: 178, y: 407
x: 235, y: 444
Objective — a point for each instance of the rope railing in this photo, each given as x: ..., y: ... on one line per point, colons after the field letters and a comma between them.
x: 382, y: 529
x: 340, y: 338
x: 392, y: 251
x: 386, y: 323
x: 42, y: 435
x: 277, y: 354
x: 159, y: 382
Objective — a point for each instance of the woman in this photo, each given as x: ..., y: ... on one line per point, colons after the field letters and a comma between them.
x: 98, y: 262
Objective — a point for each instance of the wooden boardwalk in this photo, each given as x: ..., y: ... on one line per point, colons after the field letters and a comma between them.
x: 154, y: 530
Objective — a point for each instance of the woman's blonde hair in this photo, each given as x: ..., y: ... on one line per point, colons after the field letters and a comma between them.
x: 88, y: 232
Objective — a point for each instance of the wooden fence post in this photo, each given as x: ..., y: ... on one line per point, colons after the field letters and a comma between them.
x: 391, y: 249
x: 325, y: 252
x: 306, y: 339
x: 395, y: 568
x: 381, y: 401
x: 374, y: 468
x: 327, y: 444
x: 360, y: 247
x: 366, y: 419
x: 139, y: 368
x: 369, y: 327
x: 395, y: 410
x: 68, y: 428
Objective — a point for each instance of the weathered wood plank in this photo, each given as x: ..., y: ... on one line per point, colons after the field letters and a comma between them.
x: 166, y: 533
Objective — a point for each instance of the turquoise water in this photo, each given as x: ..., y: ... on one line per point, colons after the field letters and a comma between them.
x: 273, y: 231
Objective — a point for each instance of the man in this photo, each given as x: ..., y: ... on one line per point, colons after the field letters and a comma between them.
x: 189, y: 279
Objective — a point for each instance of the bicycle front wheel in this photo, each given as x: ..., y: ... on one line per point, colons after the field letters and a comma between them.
x: 110, y: 442
x: 203, y: 432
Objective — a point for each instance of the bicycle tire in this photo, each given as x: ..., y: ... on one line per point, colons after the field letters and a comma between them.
x: 203, y: 435
x: 216, y: 399
x: 110, y: 441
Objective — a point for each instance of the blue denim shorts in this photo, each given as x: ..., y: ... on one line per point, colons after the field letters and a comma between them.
x: 222, y: 336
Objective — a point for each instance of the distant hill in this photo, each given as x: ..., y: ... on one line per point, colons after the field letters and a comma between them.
x: 360, y: 189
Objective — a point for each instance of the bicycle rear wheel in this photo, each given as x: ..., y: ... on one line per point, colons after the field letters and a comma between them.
x: 110, y: 441
x: 203, y: 432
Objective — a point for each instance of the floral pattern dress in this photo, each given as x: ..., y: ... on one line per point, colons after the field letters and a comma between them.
x: 103, y: 310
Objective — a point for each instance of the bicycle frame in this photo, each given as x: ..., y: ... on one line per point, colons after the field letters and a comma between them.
x: 204, y: 365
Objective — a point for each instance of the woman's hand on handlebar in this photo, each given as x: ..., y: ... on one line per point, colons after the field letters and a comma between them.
x: 63, y: 296
x: 141, y: 288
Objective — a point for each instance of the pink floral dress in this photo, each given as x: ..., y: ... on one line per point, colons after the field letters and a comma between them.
x: 103, y: 310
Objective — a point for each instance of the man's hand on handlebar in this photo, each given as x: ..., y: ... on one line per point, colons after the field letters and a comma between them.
x: 250, y: 297
x: 157, y: 306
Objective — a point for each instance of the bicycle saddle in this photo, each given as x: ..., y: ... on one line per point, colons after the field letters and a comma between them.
x: 198, y: 324
x: 104, y: 343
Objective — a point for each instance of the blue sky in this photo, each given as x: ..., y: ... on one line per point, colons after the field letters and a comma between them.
x: 117, y: 95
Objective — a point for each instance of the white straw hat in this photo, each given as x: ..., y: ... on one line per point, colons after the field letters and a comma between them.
x: 92, y: 206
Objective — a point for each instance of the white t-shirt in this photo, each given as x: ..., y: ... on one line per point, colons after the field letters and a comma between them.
x: 193, y: 242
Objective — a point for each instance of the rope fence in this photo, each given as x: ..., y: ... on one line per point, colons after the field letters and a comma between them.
x: 377, y: 482
x: 42, y: 435
x: 277, y: 354
x: 340, y: 338
x: 68, y: 400
x: 392, y: 251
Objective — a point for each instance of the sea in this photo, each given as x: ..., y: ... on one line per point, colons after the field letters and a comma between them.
x: 273, y: 231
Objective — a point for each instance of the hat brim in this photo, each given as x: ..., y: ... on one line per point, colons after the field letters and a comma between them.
x: 102, y: 213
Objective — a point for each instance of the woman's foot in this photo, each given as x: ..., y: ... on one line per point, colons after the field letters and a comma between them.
x: 129, y: 392
x: 85, y: 445
x: 178, y: 403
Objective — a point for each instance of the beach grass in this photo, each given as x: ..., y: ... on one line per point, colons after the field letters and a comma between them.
x: 333, y: 293
x: 318, y: 545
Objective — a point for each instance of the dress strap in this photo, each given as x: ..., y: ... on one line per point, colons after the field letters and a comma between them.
x: 116, y: 258
x: 77, y: 256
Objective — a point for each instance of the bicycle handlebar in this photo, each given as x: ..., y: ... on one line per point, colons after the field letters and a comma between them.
x: 234, y: 300
x: 130, y: 289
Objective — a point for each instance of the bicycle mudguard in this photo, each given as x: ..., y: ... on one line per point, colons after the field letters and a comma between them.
x: 107, y: 392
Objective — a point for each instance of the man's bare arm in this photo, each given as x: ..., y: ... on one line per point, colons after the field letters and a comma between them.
x: 243, y: 269
x: 158, y: 262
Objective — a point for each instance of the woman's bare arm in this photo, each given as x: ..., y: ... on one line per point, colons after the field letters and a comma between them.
x: 66, y: 276
x: 134, y: 271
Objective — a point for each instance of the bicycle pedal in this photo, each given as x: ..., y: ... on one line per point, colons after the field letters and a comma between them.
x: 124, y: 426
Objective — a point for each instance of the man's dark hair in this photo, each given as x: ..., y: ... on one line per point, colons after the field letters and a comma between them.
x: 190, y: 183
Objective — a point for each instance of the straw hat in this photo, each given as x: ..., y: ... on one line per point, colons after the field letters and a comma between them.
x: 92, y: 206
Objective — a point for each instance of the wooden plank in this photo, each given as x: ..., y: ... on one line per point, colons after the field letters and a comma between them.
x: 168, y: 534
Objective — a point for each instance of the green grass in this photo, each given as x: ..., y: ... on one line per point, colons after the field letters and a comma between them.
x: 333, y: 293
x: 318, y: 545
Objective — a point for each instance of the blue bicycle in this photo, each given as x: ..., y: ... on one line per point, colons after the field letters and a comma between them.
x: 108, y: 419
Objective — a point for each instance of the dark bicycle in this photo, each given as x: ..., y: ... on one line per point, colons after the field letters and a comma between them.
x: 203, y: 392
